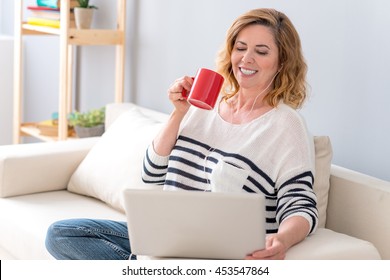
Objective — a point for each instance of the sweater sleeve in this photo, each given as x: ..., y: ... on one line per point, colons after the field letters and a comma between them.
x: 297, y: 198
x: 154, y: 167
x: 294, y: 186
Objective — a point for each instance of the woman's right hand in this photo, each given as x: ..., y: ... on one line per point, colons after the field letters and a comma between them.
x: 175, y: 93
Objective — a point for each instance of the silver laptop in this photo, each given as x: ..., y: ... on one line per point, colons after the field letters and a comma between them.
x: 192, y: 224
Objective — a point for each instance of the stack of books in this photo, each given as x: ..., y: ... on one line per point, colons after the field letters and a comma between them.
x: 50, y: 128
x: 47, y: 13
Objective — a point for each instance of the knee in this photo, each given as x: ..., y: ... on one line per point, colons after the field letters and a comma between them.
x: 56, y: 239
x: 53, y: 232
x: 52, y: 236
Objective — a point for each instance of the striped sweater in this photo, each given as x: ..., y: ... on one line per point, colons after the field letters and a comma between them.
x: 272, y: 154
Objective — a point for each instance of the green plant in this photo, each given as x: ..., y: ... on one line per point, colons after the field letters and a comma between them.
x: 89, y: 119
x: 85, y: 4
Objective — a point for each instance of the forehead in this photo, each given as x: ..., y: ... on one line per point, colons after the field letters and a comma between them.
x: 256, y: 34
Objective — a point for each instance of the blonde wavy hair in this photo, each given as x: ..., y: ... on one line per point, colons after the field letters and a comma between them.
x: 290, y: 83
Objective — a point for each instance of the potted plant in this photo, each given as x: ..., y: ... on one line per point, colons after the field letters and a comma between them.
x: 83, y: 14
x: 88, y: 124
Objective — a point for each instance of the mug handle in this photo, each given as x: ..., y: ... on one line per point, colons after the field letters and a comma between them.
x: 185, y: 92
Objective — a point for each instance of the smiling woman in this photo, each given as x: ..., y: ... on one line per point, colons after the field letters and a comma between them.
x: 255, y: 130
x: 270, y: 36
x: 255, y: 65
x: 255, y: 59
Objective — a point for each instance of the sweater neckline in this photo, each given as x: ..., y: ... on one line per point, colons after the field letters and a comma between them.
x: 259, y: 118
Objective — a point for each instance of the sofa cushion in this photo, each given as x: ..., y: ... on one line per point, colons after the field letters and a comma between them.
x: 114, y: 110
x: 23, y: 231
x: 323, y: 158
x: 115, y: 162
x: 326, y: 244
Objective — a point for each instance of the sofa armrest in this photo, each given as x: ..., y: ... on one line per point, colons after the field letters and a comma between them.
x: 359, y: 206
x: 39, y: 167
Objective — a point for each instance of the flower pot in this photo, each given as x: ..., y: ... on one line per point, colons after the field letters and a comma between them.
x: 83, y: 17
x: 83, y: 132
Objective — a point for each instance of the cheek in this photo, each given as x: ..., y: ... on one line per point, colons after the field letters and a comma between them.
x: 235, y: 58
x: 270, y: 62
x: 267, y: 64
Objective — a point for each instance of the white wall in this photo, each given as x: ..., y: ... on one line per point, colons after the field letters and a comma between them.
x: 345, y: 42
x: 6, y: 93
x: 1, y: 17
x: 348, y: 59
x: 6, y: 16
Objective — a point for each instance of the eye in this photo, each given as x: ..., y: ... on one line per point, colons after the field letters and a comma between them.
x: 262, y: 52
x: 240, y: 48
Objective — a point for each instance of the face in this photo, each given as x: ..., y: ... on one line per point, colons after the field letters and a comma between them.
x: 255, y: 57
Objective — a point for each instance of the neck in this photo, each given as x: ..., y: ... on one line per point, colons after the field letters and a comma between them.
x: 243, y: 107
x: 246, y: 101
x: 245, y: 97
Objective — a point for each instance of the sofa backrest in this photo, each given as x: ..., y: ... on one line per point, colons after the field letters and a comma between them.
x: 114, y: 110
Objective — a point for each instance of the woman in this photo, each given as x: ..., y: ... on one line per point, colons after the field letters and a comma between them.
x: 254, y: 132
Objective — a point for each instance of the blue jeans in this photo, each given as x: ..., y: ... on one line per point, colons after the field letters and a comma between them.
x: 89, y: 239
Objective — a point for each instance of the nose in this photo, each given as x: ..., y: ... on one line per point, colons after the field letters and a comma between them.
x: 247, y: 57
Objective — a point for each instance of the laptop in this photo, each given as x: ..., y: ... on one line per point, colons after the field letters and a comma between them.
x: 193, y: 224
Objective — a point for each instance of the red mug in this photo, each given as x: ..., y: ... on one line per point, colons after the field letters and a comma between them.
x: 205, y: 89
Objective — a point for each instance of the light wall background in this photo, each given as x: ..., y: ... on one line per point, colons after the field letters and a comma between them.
x: 345, y: 42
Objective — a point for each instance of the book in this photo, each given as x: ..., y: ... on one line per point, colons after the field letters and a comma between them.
x: 43, y: 22
x: 50, y: 128
x: 56, y: 3
x: 48, y: 22
x: 42, y: 8
x: 47, y: 13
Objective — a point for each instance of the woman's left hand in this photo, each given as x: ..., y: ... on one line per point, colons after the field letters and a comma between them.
x: 291, y: 231
x: 274, y: 250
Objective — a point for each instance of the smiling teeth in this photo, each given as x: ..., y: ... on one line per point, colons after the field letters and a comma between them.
x: 247, y: 72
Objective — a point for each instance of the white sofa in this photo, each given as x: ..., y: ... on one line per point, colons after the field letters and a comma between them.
x: 45, y: 182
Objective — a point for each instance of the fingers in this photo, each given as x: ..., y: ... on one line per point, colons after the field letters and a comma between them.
x: 175, y: 94
x: 176, y: 89
x: 274, y: 250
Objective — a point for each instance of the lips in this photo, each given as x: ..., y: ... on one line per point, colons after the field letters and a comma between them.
x: 247, y: 72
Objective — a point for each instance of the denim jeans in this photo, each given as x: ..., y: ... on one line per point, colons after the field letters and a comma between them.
x: 89, y: 239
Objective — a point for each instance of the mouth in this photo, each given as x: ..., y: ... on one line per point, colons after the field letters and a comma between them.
x: 247, y: 72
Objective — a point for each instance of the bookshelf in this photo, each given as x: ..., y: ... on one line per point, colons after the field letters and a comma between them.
x: 69, y: 37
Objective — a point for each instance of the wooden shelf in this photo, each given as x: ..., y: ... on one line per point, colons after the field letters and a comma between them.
x: 69, y: 37
x: 31, y: 129
x: 95, y: 37
x: 79, y: 36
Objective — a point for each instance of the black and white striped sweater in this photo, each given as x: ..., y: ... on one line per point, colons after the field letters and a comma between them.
x: 273, y: 155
